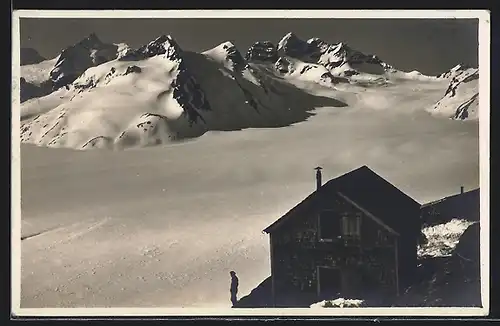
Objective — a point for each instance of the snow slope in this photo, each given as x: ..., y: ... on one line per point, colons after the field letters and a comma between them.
x: 35, y: 79
x: 39, y: 72
x: 461, y: 99
x: 443, y: 238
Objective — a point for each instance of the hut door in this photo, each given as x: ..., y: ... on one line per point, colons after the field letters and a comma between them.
x: 329, y: 283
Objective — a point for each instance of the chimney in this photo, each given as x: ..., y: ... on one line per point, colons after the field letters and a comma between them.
x: 462, y: 189
x: 318, y: 177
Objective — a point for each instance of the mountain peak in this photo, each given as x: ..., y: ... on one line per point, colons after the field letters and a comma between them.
x: 456, y: 70
x: 224, y: 47
x: 228, y: 53
x: 288, y: 36
x: 77, y: 58
x: 461, y: 67
x: 293, y: 46
x: 162, y: 45
x: 227, y: 45
x: 91, y: 41
x: 93, y: 37
x: 341, y: 47
x: 316, y: 43
x: 315, y: 40
x: 164, y: 42
x: 164, y: 38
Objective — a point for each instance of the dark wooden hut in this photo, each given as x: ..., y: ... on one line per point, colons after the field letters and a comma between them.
x: 356, y: 236
x: 463, y: 205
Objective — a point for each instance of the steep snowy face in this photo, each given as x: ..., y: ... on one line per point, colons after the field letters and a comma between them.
x: 122, y: 103
x: 336, y: 55
x: 163, y: 45
x: 284, y: 66
x: 308, y: 51
x: 316, y: 47
x: 342, y: 58
x: 228, y: 55
x: 74, y: 60
x: 458, y: 69
x: 292, y: 46
x: 294, y: 69
x: 185, y: 90
x: 461, y: 99
x: 29, y: 56
x: 262, y: 51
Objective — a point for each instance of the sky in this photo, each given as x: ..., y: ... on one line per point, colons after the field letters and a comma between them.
x: 429, y: 46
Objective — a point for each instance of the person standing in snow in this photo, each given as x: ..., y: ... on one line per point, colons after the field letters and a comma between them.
x: 234, y: 287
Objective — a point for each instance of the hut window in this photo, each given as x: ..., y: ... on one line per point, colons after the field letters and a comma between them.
x: 329, y: 225
x: 351, y: 226
x: 383, y: 238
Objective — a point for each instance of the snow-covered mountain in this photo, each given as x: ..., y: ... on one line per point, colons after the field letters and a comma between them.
x: 77, y: 58
x: 43, y: 76
x: 454, y: 71
x: 98, y: 95
x: 461, y: 98
x: 160, y: 93
x: 264, y: 51
x: 339, y: 58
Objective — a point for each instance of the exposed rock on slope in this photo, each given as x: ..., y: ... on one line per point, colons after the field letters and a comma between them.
x: 43, y: 77
x: 340, y: 59
x: 111, y: 91
x: 164, y: 46
x: 74, y: 60
x: 262, y: 51
x: 284, y: 66
x: 159, y: 94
